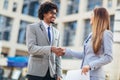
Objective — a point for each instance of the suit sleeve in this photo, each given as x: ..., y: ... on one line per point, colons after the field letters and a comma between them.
x: 58, y: 62
x: 33, y: 48
x: 72, y: 53
x: 107, y: 57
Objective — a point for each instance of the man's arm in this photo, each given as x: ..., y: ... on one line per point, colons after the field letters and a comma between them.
x: 58, y: 67
x: 58, y: 62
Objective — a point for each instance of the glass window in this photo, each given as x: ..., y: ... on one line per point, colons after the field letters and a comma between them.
x: 87, y: 28
x: 93, y: 3
x: 5, y: 21
x: 6, y: 35
x: 25, y: 9
x: 0, y: 35
x: 5, y: 27
x: 26, y: 0
x: 109, y: 3
x: 1, y: 21
x: 69, y: 33
x: 14, y: 7
x: 22, y: 32
x: 72, y: 6
x: 5, y: 6
x: 112, y: 22
x: 118, y: 2
x: 9, y: 22
x: 33, y: 10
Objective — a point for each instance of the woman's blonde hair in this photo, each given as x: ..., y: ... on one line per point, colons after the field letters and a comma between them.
x: 101, y: 22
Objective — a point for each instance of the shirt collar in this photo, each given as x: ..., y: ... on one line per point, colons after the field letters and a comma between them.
x: 46, y: 25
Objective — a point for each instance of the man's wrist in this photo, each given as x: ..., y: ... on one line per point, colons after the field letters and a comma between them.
x: 59, y: 78
x: 52, y: 48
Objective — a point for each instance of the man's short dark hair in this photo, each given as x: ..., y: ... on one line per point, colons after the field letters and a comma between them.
x: 45, y: 8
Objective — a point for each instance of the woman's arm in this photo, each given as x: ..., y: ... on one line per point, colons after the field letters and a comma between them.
x: 73, y: 53
x: 107, y: 58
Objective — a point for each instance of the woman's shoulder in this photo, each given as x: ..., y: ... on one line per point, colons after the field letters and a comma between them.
x: 108, y: 33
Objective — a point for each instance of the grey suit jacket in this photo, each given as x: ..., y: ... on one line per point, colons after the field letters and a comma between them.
x: 96, y: 62
x: 41, y: 58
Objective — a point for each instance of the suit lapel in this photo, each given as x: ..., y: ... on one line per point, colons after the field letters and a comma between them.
x: 53, y: 35
x: 44, y: 31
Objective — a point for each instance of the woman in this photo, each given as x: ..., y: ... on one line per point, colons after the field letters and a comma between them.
x: 97, y: 47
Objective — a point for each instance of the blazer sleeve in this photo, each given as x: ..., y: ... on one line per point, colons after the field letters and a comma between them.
x: 31, y: 43
x: 73, y: 53
x: 58, y: 66
x: 107, y: 57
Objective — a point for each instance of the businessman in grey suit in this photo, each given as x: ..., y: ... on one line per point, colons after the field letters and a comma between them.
x: 41, y: 37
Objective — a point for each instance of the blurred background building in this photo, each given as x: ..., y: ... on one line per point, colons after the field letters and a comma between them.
x: 72, y: 21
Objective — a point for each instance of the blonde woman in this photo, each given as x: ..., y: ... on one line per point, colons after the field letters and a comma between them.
x: 97, y: 47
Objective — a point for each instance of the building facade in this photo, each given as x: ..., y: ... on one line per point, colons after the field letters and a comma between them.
x: 72, y: 21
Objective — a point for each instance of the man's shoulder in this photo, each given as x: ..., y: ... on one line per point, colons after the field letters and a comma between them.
x: 33, y: 24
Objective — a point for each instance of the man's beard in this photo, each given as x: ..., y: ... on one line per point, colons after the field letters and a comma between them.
x: 52, y: 22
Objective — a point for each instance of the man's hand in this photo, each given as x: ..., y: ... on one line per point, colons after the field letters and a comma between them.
x: 58, y: 51
x: 59, y: 78
x: 85, y: 69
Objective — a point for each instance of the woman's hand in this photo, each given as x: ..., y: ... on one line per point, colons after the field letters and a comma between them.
x: 85, y: 69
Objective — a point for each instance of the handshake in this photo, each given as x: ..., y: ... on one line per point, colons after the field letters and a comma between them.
x: 58, y: 50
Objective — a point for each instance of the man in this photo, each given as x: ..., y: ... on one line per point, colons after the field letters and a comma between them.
x: 40, y: 38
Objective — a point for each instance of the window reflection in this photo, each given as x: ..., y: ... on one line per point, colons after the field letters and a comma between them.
x: 33, y: 8
x: 5, y: 5
x: 5, y: 27
x: 87, y: 28
x: 112, y: 22
x: 109, y: 3
x: 72, y: 6
x: 0, y: 35
x: 22, y: 32
x: 14, y: 7
x: 69, y: 33
x: 30, y: 8
x: 25, y: 9
x: 93, y: 3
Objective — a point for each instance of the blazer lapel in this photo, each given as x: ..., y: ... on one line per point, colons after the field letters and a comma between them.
x: 44, y: 31
x: 53, y: 35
